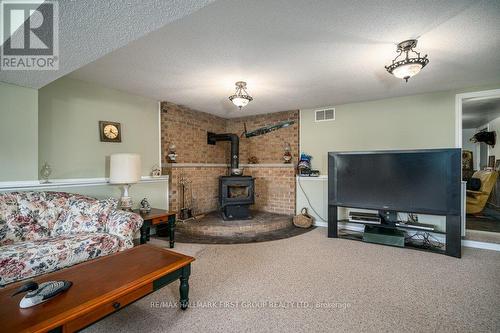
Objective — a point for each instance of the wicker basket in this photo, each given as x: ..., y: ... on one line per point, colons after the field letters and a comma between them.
x: 303, y: 220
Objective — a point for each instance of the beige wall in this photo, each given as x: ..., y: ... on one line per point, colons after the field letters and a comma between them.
x: 410, y: 122
x: 18, y: 133
x: 69, y: 112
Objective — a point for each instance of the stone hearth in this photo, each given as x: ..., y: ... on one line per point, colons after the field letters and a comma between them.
x: 212, y: 229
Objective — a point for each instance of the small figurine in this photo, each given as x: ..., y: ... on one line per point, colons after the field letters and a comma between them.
x: 171, y: 153
x: 287, y: 155
x: 45, y: 172
x: 156, y: 171
x: 145, y: 206
x: 253, y: 160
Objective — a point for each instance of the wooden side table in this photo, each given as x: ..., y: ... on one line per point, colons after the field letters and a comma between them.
x: 157, y: 217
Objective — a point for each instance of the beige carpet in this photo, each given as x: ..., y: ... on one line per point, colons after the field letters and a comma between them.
x: 276, y: 286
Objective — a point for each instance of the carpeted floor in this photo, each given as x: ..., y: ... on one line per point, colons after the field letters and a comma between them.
x: 310, y: 283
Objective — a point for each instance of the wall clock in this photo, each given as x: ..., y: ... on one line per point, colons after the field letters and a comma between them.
x: 110, y: 131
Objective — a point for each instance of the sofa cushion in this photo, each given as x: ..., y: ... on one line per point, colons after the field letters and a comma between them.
x: 8, y: 209
x: 474, y: 184
x: 84, y: 214
x: 124, y: 225
x: 31, y: 258
x: 8, y: 204
x: 39, y: 212
x: 4, y: 231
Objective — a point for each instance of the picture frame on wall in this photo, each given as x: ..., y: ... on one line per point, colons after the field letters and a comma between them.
x: 497, y: 165
x: 491, y: 161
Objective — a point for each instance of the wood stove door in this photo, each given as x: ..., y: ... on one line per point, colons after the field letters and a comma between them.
x: 234, y: 193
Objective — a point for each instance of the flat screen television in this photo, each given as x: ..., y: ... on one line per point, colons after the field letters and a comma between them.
x: 418, y: 181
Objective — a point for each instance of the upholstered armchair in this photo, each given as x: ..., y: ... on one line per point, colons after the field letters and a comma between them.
x: 476, y: 200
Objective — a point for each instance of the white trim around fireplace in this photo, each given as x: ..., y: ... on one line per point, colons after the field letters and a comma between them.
x: 223, y: 165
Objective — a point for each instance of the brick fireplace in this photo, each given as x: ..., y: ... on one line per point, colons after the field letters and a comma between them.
x: 204, y: 164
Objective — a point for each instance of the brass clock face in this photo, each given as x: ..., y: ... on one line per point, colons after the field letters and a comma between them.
x: 110, y: 131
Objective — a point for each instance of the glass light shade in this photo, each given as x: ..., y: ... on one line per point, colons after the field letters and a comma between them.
x: 124, y: 168
x: 240, y: 101
x: 406, y: 71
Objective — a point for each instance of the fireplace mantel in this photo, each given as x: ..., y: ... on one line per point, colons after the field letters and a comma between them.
x: 223, y: 165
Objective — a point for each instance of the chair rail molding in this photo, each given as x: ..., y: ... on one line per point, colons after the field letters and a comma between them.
x: 62, y: 183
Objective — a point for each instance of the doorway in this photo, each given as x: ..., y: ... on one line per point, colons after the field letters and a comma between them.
x: 479, y: 114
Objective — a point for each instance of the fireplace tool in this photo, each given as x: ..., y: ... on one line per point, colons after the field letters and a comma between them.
x: 185, y: 212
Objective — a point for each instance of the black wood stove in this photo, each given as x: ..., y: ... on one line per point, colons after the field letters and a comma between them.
x: 236, y: 194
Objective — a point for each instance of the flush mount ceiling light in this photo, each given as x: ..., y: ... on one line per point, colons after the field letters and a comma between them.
x: 240, y: 98
x: 407, y: 66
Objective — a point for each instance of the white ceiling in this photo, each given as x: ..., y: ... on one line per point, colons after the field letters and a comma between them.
x: 89, y: 29
x: 479, y: 111
x: 303, y: 54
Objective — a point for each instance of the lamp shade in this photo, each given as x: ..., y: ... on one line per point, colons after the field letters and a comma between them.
x: 124, y: 168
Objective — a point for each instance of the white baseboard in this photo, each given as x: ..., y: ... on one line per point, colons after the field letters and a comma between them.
x: 320, y: 224
x: 481, y: 245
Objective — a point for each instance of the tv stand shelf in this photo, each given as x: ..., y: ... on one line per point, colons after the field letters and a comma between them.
x: 398, y: 227
x: 452, y: 244
x: 358, y: 236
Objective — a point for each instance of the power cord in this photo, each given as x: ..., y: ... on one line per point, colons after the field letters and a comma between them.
x: 428, y: 240
x: 309, y: 202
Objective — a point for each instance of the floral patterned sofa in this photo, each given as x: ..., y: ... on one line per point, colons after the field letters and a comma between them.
x: 41, y: 232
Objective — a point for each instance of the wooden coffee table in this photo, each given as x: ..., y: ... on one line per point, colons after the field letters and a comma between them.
x: 100, y: 287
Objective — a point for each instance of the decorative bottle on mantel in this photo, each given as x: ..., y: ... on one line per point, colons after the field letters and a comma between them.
x: 45, y: 173
x: 287, y: 155
x: 172, y: 156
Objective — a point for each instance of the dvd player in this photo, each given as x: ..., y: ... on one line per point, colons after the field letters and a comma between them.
x: 414, y: 225
x: 360, y: 217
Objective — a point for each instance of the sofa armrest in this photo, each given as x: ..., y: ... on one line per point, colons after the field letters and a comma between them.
x: 474, y: 193
x: 124, y: 225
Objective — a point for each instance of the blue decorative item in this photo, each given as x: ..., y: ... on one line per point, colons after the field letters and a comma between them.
x: 304, y: 166
x: 304, y: 163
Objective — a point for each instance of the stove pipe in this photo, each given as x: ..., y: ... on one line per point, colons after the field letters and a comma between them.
x: 212, y: 138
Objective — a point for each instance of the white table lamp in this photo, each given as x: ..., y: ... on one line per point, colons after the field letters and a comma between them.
x: 125, y: 169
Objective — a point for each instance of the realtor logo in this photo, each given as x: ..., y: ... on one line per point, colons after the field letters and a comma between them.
x: 29, y: 31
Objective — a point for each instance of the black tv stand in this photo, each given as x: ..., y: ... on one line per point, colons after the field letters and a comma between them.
x: 388, y: 217
x: 453, y: 243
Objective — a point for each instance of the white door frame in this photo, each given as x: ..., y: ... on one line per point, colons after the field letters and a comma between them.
x: 458, y: 110
x: 458, y: 130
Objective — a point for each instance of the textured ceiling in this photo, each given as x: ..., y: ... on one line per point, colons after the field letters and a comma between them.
x: 89, y: 29
x: 479, y: 111
x: 303, y: 54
